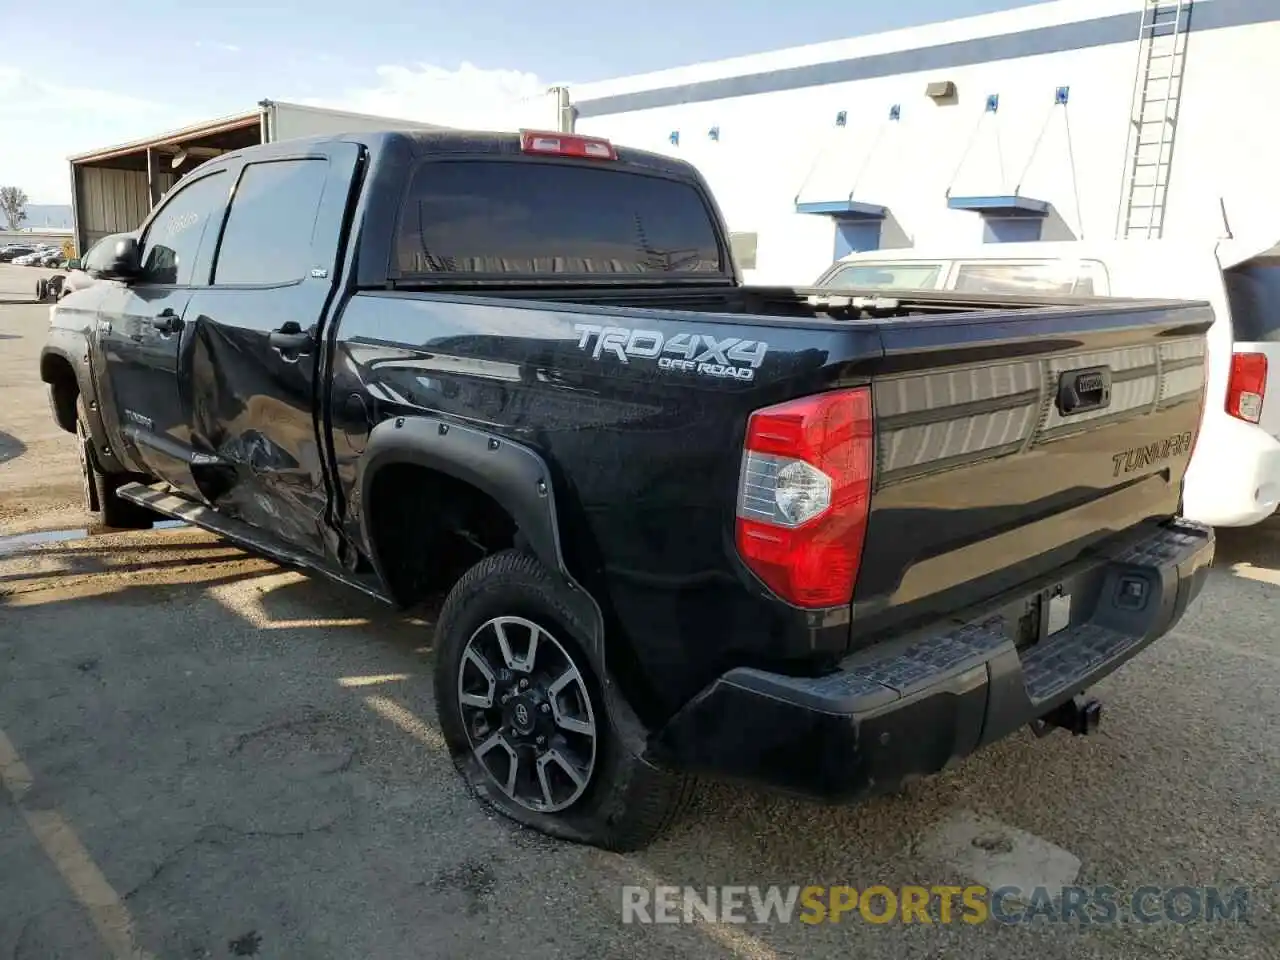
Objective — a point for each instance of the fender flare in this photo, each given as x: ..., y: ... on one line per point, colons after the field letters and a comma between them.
x: 65, y: 347
x: 513, y: 475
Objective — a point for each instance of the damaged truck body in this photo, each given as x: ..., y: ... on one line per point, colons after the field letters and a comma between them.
x: 820, y: 542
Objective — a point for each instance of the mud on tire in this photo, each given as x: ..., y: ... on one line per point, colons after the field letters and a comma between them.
x: 597, y: 790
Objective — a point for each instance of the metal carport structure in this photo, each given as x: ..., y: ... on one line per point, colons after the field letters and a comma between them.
x: 114, y: 188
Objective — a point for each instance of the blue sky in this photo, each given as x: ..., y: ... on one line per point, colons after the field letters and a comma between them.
x: 148, y: 66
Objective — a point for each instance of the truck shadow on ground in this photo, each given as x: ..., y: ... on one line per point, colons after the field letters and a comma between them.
x: 10, y: 446
x: 59, y: 562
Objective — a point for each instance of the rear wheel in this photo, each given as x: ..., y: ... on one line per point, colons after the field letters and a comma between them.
x: 42, y: 289
x: 526, y: 719
x: 100, y: 497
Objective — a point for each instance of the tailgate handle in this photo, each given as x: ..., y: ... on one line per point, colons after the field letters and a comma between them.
x: 1080, y: 391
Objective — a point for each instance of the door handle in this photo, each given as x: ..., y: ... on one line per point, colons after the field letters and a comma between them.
x: 166, y: 321
x: 290, y: 338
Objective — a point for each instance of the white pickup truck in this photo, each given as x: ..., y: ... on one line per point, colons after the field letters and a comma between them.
x: 1234, y: 476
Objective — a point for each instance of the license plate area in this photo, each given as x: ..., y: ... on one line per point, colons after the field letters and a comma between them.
x: 1044, y: 615
x: 1057, y: 612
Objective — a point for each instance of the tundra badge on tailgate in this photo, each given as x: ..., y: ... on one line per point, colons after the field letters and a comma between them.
x: 701, y: 353
x: 1138, y: 457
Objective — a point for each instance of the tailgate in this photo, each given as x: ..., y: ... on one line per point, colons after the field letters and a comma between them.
x: 1009, y: 443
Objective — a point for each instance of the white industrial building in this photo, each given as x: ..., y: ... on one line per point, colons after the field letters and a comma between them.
x: 1082, y: 119
x: 1085, y: 119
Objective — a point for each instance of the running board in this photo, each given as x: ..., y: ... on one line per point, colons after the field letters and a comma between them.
x: 161, y: 501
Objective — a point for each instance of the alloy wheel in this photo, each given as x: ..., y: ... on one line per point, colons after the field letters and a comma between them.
x: 528, y: 713
x: 86, y: 467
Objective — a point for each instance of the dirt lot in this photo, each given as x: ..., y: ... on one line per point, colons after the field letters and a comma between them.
x: 38, y: 475
x: 202, y: 755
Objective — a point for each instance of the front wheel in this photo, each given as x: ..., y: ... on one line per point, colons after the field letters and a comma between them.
x: 100, y: 497
x: 525, y: 718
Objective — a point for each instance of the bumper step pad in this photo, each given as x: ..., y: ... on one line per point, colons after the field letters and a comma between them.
x: 912, y: 705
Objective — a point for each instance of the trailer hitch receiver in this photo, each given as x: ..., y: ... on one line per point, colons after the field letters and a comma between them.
x: 1080, y: 715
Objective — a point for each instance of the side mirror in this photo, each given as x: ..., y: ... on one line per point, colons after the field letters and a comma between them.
x: 73, y: 263
x: 125, y: 262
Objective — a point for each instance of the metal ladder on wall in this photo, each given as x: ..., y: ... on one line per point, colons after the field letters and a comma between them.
x: 1162, y: 54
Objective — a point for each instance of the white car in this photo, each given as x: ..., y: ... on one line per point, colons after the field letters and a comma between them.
x: 1234, y: 476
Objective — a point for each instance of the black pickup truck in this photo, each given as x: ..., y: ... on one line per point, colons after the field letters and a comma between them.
x: 823, y: 543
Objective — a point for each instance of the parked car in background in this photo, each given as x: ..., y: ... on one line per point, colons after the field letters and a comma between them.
x: 40, y: 255
x: 1234, y: 478
x: 14, y: 250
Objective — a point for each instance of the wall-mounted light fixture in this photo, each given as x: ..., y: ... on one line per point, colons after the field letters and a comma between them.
x: 941, y: 91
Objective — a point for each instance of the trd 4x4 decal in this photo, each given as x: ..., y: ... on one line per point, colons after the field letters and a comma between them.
x: 700, y: 353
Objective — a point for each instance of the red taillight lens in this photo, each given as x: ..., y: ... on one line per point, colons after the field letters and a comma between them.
x: 1247, y: 387
x: 566, y: 145
x: 804, y: 495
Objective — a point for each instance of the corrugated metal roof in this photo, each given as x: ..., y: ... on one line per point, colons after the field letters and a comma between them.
x: 194, y: 132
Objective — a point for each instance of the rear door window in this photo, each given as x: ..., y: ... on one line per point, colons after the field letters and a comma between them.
x: 267, y: 239
x: 1253, y: 292
x: 496, y: 217
x: 889, y: 276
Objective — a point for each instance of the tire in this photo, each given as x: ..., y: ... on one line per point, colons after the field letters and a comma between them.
x: 42, y: 289
x: 617, y: 800
x: 100, y: 496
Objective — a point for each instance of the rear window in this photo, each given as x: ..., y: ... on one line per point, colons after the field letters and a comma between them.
x: 1253, y: 291
x: 891, y: 276
x: 536, y: 219
x: 1048, y: 278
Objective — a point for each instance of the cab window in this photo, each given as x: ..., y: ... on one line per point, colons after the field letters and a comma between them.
x: 174, y: 234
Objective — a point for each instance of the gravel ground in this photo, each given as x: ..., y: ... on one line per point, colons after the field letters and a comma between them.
x: 206, y: 756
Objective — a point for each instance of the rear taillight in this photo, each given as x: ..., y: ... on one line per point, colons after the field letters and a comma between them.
x: 1247, y: 387
x: 804, y: 494
x: 566, y: 145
